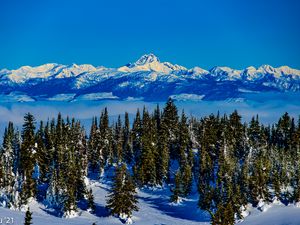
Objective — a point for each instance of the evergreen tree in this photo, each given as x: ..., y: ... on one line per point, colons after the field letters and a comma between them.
x: 122, y: 198
x: 91, y: 203
x: 93, y: 147
x: 146, y: 166
x: 136, y: 137
x: 42, y: 155
x: 118, y: 141
x: 28, y: 217
x: 187, y: 179
x: 170, y: 123
x: 178, y: 189
x: 27, y: 158
x: 127, y: 148
x: 236, y: 136
x: 105, y: 144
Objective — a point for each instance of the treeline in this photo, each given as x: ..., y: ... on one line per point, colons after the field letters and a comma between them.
x: 231, y: 163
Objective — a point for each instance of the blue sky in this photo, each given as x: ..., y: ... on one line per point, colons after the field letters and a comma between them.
x: 206, y: 33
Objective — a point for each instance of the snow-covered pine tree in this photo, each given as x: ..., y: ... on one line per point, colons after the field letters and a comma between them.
x: 28, y: 217
x: 118, y: 141
x: 127, y: 146
x: 90, y: 201
x: 170, y: 121
x: 186, y: 156
x: 27, y: 159
x: 187, y: 179
x: 122, y: 200
x: 43, y: 156
x: 136, y: 135
x: 106, y: 151
x: 70, y: 185
x: 177, y: 190
x: 236, y: 136
x: 7, y: 163
x: 81, y: 161
x: 146, y: 170
x: 93, y: 147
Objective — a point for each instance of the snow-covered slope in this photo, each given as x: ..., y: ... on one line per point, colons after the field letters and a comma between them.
x: 150, y: 63
x: 147, y: 78
x: 154, y: 208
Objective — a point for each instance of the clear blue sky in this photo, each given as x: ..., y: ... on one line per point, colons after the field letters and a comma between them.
x: 236, y: 33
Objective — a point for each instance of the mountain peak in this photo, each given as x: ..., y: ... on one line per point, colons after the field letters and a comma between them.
x: 146, y: 59
x: 150, y: 62
x: 267, y: 68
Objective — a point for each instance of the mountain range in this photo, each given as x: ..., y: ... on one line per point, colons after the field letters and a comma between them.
x: 148, y: 78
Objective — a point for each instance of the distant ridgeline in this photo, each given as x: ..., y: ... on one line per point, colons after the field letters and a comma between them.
x: 147, y: 79
x: 229, y: 164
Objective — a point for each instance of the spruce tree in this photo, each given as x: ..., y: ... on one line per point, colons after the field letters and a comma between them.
x: 105, y: 144
x: 42, y: 155
x: 146, y: 166
x: 136, y: 137
x: 118, y: 141
x: 28, y: 217
x: 122, y: 198
x: 27, y: 158
x: 170, y: 120
x: 127, y: 148
x: 91, y: 203
x: 178, y: 189
x: 93, y: 147
x: 187, y: 179
x: 7, y: 159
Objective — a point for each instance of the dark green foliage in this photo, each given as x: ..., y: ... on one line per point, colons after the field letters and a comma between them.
x: 91, y: 203
x: 118, y: 141
x: 28, y: 158
x: 136, y: 137
x: 146, y: 165
x: 105, y: 140
x: 122, y: 198
x: 178, y: 190
x: 170, y: 125
x: 127, y: 146
x: 224, y: 215
x: 28, y: 217
x: 93, y: 147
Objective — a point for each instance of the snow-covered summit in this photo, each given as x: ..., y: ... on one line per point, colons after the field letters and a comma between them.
x: 53, y: 70
x: 147, y: 58
x: 224, y: 72
x: 150, y: 62
x: 283, y: 72
x: 146, y: 78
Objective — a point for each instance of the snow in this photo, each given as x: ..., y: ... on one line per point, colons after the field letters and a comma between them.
x: 71, y: 214
x: 153, y: 203
x: 276, y: 215
x: 96, y: 96
x: 225, y: 73
x: 62, y: 97
x: 25, y: 73
x: 16, y: 97
x: 263, y: 206
x: 154, y: 209
x: 150, y: 62
x: 187, y: 97
x: 148, y: 78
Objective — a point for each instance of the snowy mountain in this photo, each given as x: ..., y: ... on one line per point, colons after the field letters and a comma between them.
x: 147, y: 78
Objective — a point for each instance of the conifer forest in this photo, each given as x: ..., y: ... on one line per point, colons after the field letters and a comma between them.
x: 229, y: 163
